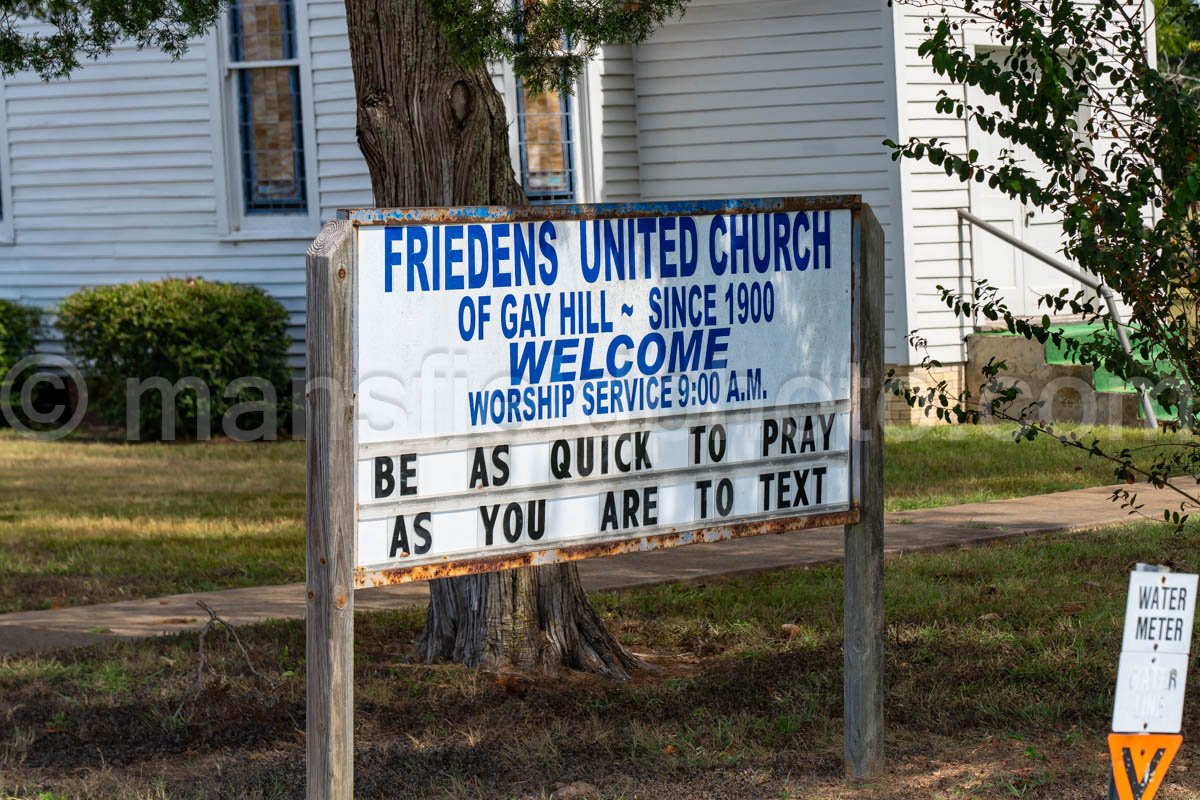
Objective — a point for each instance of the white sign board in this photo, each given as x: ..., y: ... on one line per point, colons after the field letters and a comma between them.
x: 1152, y: 673
x: 1159, y: 612
x: 641, y: 377
x: 1149, y: 696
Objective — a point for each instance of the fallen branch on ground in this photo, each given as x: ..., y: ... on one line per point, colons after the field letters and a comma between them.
x: 231, y: 635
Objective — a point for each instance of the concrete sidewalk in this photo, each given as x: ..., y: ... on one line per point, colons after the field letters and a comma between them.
x: 908, y: 530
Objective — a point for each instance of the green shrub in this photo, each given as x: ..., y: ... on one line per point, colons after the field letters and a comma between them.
x: 180, y: 329
x: 19, y: 328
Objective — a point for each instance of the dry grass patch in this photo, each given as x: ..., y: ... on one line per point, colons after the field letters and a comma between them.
x: 88, y: 522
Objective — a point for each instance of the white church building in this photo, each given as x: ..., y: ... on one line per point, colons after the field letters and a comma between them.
x: 223, y: 164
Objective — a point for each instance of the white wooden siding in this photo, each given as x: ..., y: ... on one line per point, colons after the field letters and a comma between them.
x: 113, y: 175
x: 114, y: 178
x: 775, y: 97
x: 940, y: 248
x: 616, y: 139
x: 939, y: 245
x: 343, y: 176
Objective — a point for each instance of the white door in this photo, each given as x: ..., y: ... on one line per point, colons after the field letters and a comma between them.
x: 993, y: 259
x: 1020, y: 277
x: 1044, y: 232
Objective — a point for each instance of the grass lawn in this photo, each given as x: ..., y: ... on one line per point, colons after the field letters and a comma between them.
x: 1000, y: 665
x: 88, y: 522
x: 947, y: 465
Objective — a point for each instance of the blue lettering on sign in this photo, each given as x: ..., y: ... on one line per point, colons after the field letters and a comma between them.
x: 762, y: 243
x: 502, y: 255
x: 548, y: 268
x: 619, y: 368
x: 802, y: 256
x: 477, y: 256
x: 501, y: 231
x: 666, y: 246
x: 688, y: 251
x: 739, y: 254
x: 526, y: 264
x: 454, y: 256
x: 779, y: 222
x: 457, y: 257
x: 695, y: 349
x: 393, y: 240
x: 593, y: 344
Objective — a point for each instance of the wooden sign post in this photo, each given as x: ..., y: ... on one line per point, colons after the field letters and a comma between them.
x: 863, y: 577
x: 494, y: 388
x: 330, y: 514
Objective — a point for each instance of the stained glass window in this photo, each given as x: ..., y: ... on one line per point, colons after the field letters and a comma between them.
x: 266, y: 80
x: 547, y: 165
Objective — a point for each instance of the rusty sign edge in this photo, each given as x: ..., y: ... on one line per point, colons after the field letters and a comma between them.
x: 462, y: 214
x: 364, y: 578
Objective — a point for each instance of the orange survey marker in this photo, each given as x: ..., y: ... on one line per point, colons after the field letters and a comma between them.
x: 1140, y: 761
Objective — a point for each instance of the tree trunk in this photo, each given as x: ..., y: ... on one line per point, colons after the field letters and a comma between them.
x: 435, y: 134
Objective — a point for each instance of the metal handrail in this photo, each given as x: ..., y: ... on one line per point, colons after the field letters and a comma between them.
x: 1093, y: 283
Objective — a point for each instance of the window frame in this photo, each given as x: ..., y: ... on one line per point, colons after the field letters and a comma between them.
x: 579, y: 120
x: 570, y: 146
x: 233, y: 221
x: 7, y: 229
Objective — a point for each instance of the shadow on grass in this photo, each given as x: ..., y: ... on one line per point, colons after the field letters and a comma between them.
x: 422, y: 729
x: 1004, y: 656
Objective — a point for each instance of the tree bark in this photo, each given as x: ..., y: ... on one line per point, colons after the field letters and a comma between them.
x: 434, y: 133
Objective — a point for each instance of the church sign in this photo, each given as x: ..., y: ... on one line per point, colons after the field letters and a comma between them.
x: 491, y: 388
x: 548, y: 385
